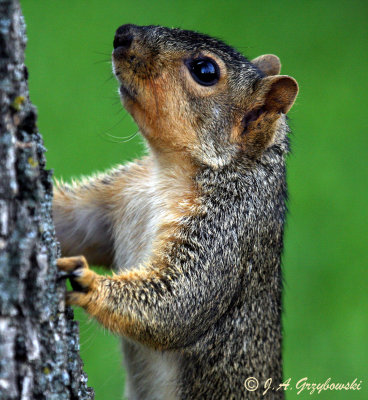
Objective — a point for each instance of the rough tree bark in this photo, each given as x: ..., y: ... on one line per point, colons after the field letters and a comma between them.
x: 39, y: 345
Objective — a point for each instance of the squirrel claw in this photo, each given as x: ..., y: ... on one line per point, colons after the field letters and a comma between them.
x: 75, y: 298
x: 77, y: 271
x: 72, y: 264
x: 64, y: 275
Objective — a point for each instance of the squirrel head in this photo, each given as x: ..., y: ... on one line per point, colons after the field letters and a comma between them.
x: 194, y: 96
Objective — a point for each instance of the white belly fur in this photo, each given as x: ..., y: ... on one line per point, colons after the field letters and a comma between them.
x: 150, y: 374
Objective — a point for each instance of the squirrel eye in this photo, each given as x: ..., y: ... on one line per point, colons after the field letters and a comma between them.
x: 204, y: 71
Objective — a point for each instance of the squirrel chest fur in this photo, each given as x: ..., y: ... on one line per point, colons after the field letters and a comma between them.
x: 194, y: 230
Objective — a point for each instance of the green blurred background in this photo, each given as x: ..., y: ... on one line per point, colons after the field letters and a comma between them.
x: 323, y: 44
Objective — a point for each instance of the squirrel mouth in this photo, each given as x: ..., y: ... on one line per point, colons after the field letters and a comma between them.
x: 126, y: 93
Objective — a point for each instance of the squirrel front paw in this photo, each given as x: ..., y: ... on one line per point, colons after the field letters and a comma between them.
x: 82, y: 279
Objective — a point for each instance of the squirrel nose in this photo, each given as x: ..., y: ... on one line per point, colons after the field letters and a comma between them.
x: 123, y: 37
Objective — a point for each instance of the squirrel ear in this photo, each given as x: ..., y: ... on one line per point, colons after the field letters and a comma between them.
x: 269, y: 64
x: 280, y: 93
x: 274, y: 95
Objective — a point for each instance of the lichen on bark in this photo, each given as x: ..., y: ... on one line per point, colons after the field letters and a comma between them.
x: 39, y: 341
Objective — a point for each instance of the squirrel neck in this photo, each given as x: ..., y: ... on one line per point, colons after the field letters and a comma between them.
x: 175, y: 167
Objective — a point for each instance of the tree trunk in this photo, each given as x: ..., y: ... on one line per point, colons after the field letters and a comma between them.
x: 39, y: 344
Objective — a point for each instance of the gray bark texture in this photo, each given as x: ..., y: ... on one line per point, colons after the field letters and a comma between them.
x: 39, y: 344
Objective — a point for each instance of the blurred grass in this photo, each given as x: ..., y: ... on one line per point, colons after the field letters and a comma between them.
x: 324, y: 46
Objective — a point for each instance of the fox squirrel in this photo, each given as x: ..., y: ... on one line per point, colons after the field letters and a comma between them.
x: 194, y: 230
